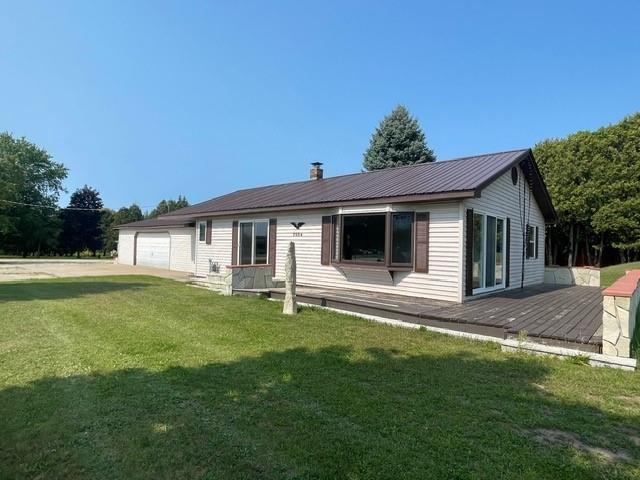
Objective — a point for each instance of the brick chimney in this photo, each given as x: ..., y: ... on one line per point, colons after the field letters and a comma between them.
x: 316, y: 171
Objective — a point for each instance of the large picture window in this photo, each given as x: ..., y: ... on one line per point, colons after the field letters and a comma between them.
x: 381, y: 239
x: 254, y: 241
x: 363, y: 238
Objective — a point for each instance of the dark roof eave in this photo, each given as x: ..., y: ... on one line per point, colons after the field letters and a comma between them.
x: 431, y: 197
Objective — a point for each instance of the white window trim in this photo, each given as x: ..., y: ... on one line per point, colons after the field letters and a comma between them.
x: 500, y: 286
x: 205, y: 231
x: 253, y: 241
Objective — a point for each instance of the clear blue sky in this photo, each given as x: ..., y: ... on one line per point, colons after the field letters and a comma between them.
x: 149, y: 100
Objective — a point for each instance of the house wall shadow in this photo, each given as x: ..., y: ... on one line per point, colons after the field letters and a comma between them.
x: 330, y: 413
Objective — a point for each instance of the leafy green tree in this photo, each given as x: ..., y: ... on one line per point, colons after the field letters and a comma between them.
x: 30, y: 186
x: 81, y: 222
x: 168, y: 206
x: 594, y: 181
x: 397, y: 141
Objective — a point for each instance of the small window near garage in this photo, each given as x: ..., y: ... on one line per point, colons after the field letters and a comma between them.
x: 532, y: 238
x: 202, y: 231
x: 254, y: 243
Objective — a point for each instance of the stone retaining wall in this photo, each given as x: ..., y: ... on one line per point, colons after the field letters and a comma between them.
x: 620, y: 308
x: 584, y: 276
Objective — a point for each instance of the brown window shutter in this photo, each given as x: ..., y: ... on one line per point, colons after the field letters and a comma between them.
x: 325, y: 252
x: 468, y: 255
x: 208, y: 234
x: 421, y: 232
x: 536, y: 255
x: 507, y: 260
x: 273, y: 225
x: 234, y: 243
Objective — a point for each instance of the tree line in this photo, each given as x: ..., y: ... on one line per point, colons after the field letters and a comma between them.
x: 594, y: 181
x: 31, y: 223
x: 593, y: 178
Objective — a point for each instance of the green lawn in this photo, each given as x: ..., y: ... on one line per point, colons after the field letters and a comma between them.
x: 608, y: 275
x: 136, y: 377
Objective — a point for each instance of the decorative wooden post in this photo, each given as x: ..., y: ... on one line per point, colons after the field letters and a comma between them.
x: 290, y: 305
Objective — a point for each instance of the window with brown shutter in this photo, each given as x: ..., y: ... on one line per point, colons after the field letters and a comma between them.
x: 421, y: 242
x: 507, y: 260
x: 209, y: 227
x: 325, y: 251
x: 273, y: 225
x: 468, y: 254
x: 234, y: 243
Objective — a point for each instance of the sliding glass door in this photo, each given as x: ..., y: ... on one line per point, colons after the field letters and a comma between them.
x: 488, y: 253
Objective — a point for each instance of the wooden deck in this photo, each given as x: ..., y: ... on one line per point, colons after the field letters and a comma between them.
x: 562, y: 316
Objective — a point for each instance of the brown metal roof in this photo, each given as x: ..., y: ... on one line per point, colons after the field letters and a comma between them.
x: 159, y: 223
x: 452, y: 179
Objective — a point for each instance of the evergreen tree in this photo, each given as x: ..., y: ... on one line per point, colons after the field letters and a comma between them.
x: 81, y: 222
x: 397, y: 141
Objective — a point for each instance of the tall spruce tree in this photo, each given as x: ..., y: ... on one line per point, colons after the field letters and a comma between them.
x: 81, y: 222
x: 397, y: 141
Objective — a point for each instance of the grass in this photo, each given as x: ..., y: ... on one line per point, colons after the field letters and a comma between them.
x: 136, y: 377
x: 608, y: 275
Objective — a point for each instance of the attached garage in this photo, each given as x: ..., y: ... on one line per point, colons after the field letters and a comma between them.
x: 158, y: 243
x: 153, y: 249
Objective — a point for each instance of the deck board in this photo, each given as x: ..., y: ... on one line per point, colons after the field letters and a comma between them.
x: 571, y: 314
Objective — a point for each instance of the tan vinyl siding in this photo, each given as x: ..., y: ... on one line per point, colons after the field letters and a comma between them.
x: 182, y: 258
x: 218, y: 252
x: 441, y: 282
x: 126, y: 242
x: 500, y: 198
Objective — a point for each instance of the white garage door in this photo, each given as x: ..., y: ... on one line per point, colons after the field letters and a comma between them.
x: 152, y: 249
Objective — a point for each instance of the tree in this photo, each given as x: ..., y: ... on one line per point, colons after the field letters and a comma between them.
x: 594, y: 182
x: 81, y: 222
x: 110, y: 220
x: 30, y: 186
x: 397, y: 141
x: 168, y: 206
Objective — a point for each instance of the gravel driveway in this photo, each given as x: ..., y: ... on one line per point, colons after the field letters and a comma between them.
x: 24, y: 269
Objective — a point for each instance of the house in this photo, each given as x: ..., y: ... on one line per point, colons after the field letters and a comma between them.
x: 448, y: 230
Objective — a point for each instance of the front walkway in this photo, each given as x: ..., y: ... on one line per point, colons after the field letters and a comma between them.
x: 569, y: 316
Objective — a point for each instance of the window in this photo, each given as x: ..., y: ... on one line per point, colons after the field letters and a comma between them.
x: 202, y: 231
x: 363, y: 238
x: 532, y: 238
x: 254, y: 239
x: 385, y: 239
x: 401, y: 238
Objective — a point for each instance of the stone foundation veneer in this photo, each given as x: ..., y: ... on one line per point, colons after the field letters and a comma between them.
x: 619, y: 310
x: 583, y: 276
x: 234, y: 277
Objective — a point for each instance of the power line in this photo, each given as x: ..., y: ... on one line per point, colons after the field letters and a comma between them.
x: 55, y: 207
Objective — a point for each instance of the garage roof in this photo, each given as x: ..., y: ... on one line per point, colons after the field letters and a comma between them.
x: 159, y: 223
